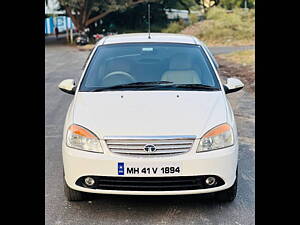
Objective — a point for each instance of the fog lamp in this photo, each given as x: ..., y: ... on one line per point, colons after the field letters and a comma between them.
x: 210, y: 181
x: 89, y: 181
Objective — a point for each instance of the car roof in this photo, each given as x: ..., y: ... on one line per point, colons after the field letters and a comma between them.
x: 144, y: 38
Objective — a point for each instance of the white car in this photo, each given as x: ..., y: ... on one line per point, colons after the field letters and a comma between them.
x: 150, y: 117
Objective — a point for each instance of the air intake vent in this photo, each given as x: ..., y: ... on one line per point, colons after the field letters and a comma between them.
x: 151, y: 183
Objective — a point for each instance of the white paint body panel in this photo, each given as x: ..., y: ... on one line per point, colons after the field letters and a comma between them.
x: 150, y: 113
x: 219, y: 162
x: 143, y: 37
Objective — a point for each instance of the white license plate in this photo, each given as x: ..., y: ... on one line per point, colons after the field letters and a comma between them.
x: 138, y: 169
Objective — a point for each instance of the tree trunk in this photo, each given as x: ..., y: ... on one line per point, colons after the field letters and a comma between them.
x: 73, y: 17
x: 100, y: 16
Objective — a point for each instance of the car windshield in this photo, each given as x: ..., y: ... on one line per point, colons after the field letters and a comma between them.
x: 149, y: 66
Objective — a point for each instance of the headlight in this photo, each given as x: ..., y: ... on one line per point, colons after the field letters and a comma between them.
x: 218, y: 137
x: 83, y: 139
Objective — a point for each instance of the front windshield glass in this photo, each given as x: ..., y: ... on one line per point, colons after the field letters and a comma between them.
x: 167, y: 65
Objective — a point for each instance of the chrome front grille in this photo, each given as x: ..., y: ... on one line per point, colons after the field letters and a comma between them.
x: 162, y: 144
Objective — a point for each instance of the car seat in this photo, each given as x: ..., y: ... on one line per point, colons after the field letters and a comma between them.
x: 181, y: 71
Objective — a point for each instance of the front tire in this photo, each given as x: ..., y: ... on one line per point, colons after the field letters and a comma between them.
x: 73, y: 195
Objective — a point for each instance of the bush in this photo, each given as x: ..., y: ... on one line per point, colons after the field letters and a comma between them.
x: 216, y: 13
x: 223, y: 26
x: 193, y: 18
x: 174, y: 27
x: 246, y: 16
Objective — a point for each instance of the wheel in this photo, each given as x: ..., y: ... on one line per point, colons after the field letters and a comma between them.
x: 73, y: 195
x: 229, y: 194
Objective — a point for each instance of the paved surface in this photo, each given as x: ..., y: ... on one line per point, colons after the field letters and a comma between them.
x: 65, y: 62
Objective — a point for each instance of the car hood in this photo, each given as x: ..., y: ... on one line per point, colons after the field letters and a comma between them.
x: 149, y: 113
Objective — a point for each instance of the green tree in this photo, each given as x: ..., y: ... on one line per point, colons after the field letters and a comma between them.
x: 231, y: 4
x: 134, y: 19
x: 178, y: 4
x: 85, y: 12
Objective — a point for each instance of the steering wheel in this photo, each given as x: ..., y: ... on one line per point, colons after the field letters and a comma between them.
x: 125, y: 75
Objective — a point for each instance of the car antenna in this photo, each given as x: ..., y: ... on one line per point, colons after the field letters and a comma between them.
x: 149, y: 21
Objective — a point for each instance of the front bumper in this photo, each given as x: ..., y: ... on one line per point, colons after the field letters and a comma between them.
x: 221, y: 163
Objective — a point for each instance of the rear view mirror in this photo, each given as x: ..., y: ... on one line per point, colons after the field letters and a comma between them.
x: 68, y: 86
x: 233, y: 85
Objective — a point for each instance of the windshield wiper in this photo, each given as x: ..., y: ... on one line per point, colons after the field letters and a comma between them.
x: 132, y: 85
x: 158, y: 85
x: 196, y: 87
x: 149, y: 83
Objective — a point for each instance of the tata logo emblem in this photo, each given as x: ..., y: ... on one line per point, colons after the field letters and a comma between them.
x: 149, y: 148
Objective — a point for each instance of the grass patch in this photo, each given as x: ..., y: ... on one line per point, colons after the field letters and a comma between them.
x: 246, y: 57
x: 225, y: 28
x: 239, y: 64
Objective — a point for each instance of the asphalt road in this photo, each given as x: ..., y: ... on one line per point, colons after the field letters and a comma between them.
x: 64, y: 62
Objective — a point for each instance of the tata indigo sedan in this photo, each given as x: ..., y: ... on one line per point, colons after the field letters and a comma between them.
x: 150, y: 117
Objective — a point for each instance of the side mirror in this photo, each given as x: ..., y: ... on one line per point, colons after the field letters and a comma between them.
x: 68, y: 86
x: 233, y: 85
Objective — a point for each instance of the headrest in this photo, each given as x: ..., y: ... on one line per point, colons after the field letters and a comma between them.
x: 180, y: 62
